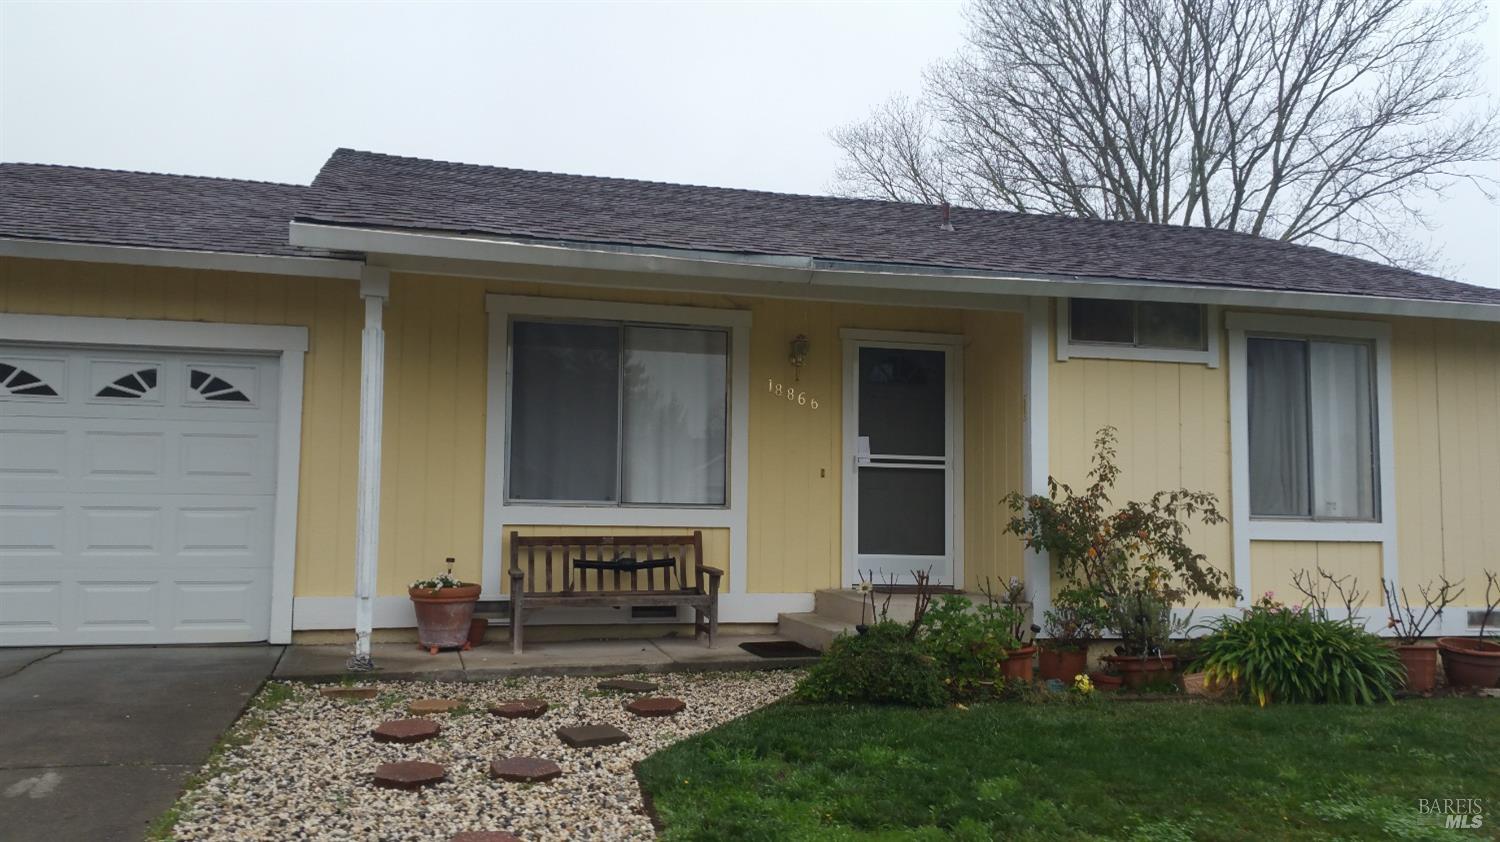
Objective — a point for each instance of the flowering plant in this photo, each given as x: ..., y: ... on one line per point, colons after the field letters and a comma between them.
x: 1083, y: 685
x: 446, y: 579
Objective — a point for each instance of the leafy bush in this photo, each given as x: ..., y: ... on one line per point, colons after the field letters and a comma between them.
x: 969, y: 642
x: 883, y: 666
x: 1282, y: 654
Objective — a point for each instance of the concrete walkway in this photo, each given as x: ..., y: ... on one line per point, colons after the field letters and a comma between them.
x: 95, y: 743
x: 407, y: 661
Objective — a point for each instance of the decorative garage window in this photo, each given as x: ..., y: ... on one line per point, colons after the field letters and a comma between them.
x: 135, y: 385
x: 211, y: 387
x: 1157, y: 331
x: 618, y: 413
x: 16, y: 381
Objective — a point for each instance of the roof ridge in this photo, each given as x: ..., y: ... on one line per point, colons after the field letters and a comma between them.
x: 79, y: 168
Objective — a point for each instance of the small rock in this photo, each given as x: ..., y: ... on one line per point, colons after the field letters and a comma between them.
x: 484, y: 836
x: 405, y: 731
x: 1491, y: 692
x: 349, y: 692
x: 529, y: 770
x: 589, y: 736
x: 519, y: 709
x: 409, y: 774
x: 656, y: 706
x: 423, y: 707
x: 628, y: 685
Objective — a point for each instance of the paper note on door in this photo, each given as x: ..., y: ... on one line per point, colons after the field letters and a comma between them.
x: 862, y: 451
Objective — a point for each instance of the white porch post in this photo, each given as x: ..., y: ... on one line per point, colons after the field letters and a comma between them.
x: 1038, y: 568
x: 374, y: 288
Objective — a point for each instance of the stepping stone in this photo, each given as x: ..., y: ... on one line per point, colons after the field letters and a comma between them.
x: 484, y: 836
x: 628, y: 685
x: 656, y: 706
x: 423, y: 707
x: 405, y: 731
x: 527, y: 770
x: 409, y: 774
x: 349, y: 692
x: 589, y: 736
x: 519, y: 709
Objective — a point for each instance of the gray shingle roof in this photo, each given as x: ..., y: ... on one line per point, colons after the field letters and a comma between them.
x: 383, y: 191
x: 151, y: 210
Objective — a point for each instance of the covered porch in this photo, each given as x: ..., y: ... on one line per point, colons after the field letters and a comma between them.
x: 813, y: 434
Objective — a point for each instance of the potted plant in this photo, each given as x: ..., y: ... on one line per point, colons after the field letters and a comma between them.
x: 1072, y: 623
x: 1135, y: 559
x: 444, y: 607
x: 1474, y: 661
x: 1010, y: 609
x: 1409, y: 626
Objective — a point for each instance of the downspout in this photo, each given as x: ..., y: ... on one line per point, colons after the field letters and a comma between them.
x: 374, y: 289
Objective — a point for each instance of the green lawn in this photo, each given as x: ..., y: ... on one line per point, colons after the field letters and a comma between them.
x: 1103, y: 770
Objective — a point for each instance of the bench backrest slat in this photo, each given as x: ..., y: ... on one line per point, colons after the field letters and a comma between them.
x: 605, y: 548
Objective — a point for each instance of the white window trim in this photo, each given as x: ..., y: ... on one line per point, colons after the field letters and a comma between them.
x: 952, y: 346
x: 289, y: 343
x: 1248, y: 529
x: 501, y: 515
x: 1067, y: 348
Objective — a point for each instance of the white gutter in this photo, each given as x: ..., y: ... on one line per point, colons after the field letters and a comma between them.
x: 413, y: 250
x: 265, y: 264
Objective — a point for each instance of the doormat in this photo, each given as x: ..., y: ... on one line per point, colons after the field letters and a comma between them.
x: 779, y: 649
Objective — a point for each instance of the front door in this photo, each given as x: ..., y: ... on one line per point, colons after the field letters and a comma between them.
x: 901, y: 440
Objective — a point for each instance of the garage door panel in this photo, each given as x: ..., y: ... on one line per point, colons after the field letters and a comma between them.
x: 137, y: 502
x: 32, y: 530
x: 29, y: 607
x: 123, y: 454
x: 121, y: 531
x: 31, y: 452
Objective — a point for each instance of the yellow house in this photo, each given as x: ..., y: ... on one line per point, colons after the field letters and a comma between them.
x: 240, y: 411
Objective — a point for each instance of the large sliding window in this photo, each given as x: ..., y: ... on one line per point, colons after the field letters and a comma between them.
x: 617, y: 413
x: 1312, y: 436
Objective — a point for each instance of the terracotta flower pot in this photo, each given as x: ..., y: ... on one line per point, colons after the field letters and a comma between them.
x: 477, y: 627
x: 1106, y: 682
x: 1420, y: 661
x: 443, y: 616
x: 1017, y: 663
x: 1137, y: 671
x: 1470, y: 662
x: 1061, y: 664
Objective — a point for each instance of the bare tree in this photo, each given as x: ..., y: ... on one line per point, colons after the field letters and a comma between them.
x: 1315, y: 121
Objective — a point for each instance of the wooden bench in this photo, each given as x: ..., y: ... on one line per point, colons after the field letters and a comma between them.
x: 596, y: 571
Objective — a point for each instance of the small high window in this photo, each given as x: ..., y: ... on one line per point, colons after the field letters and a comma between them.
x: 1138, y: 324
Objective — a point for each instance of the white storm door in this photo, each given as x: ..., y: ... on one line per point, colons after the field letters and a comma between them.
x: 901, y: 434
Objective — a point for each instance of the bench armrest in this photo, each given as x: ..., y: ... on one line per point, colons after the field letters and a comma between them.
x: 711, y: 571
x: 714, y: 574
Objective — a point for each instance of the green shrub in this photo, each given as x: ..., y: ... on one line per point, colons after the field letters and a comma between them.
x: 883, y: 666
x: 968, y: 642
x: 1282, y: 654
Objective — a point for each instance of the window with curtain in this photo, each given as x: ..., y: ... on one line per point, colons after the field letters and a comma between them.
x: 616, y: 413
x: 1311, y: 406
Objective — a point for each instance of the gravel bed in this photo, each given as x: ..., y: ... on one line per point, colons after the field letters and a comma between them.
x: 306, y: 772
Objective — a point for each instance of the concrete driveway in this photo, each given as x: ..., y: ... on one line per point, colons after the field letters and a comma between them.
x: 95, y: 743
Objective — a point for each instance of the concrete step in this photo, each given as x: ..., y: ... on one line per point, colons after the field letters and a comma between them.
x: 844, y: 604
x: 812, y: 630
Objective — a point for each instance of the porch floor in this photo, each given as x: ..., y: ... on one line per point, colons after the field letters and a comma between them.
x: 407, y: 661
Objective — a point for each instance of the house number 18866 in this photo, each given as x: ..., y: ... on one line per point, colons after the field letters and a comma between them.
x: 792, y: 395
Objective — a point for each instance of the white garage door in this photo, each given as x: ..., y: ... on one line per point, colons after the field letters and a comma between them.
x: 136, y: 496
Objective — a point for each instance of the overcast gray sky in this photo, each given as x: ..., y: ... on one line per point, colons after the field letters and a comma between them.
x: 732, y: 94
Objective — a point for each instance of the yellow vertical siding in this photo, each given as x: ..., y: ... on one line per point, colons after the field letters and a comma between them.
x: 1274, y: 563
x: 1446, y: 380
x: 1173, y: 426
x: 994, y: 442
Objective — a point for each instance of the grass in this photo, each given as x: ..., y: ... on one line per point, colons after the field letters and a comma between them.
x: 273, y: 695
x: 1101, y: 770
